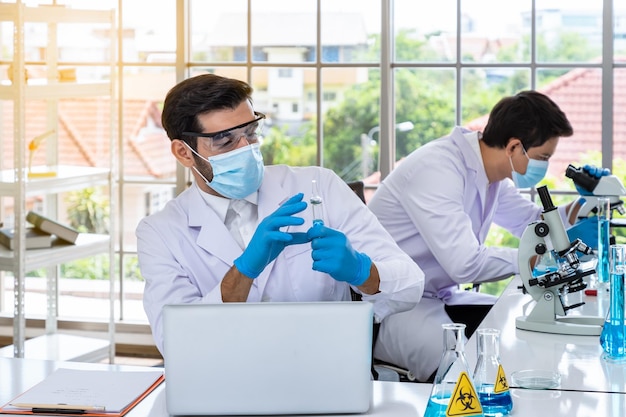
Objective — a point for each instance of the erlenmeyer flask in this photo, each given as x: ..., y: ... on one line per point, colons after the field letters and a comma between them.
x: 489, y: 376
x: 613, y: 336
x: 453, y: 390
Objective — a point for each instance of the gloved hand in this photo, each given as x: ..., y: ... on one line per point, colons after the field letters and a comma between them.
x: 333, y: 254
x: 594, y: 171
x: 268, y: 241
x: 586, y: 230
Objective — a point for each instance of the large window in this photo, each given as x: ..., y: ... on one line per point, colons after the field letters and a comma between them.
x: 353, y: 85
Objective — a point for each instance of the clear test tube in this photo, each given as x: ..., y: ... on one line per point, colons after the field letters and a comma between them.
x: 316, y: 204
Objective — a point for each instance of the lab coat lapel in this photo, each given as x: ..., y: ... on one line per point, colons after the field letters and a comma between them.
x: 271, y: 195
x: 476, y: 177
x: 214, y: 237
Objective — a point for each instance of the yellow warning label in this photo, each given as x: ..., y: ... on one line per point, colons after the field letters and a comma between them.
x: 501, y: 385
x: 464, y: 400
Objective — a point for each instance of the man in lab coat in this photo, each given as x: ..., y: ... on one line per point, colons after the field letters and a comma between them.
x: 438, y: 205
x: 244, y: 231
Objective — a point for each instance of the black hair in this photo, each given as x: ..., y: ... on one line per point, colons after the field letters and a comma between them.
x: 530, y: 116
x: 198, y: 95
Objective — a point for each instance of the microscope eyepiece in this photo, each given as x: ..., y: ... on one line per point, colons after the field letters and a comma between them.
x: 581, y: 178
x: 546, y: 200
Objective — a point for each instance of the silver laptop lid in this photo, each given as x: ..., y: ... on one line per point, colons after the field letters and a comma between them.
x: 268, y: 358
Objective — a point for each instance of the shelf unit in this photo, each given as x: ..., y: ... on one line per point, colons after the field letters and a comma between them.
x: 15, y: 183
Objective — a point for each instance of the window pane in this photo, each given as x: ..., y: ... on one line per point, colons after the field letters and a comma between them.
x: 425, y: 34
x: 146, y: 147
x: 149, y: 35
x: 619, y: 123
x: 287, y: 96
x: 485, y: 39
x: 482, y: 88
x: 579, y: 94
x: 425, y: 97
x: 349, y: 30
x: 619, y: 28
x: 284, y: 31
x: 352, y: 115
x: 218, y: 31
x: 571, y: 33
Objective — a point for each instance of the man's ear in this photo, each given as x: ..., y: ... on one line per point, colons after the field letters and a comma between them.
x: 512, y: 145
x: 182, y: 153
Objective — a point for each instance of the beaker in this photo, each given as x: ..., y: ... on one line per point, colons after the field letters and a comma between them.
x: 453, y: 391
x: 489, y: 376
x: 604, y: 236
x: 613, y: 337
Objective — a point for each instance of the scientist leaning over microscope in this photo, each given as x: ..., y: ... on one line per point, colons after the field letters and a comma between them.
x: 242, y: 231
x: 439, y: 204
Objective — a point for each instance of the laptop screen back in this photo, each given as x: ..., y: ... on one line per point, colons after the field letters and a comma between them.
x: 268, y: 358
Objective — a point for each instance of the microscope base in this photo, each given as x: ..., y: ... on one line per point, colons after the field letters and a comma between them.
x: 579, y: 325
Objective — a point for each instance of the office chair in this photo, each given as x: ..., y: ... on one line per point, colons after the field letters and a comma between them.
x: 380, y: 370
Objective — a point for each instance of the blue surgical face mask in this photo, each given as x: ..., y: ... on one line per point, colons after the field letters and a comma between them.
x: 236, y: 174
x: 535, y: 171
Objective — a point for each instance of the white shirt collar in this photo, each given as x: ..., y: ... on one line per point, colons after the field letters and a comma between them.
x: 220, y: 204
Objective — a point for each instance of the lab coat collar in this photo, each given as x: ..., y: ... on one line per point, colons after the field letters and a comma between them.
x: 467, y: 141
x: 214, y: 237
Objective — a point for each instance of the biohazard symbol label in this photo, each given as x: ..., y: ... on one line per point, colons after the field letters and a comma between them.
x: 464, y: 400
x: 501, y: 385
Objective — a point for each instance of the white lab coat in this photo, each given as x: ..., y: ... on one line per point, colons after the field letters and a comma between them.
x: 438, y: 205
x: 185, y: 250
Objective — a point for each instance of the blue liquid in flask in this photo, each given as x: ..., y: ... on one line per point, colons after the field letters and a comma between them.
x: 613, y: 337
x: 494, y: 404
x: 603, y: 250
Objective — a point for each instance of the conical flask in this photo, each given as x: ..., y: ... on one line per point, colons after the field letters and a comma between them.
x: 453, y: 391
x: 547, y: 263
x: 613, y: 336
x: 489, y: 377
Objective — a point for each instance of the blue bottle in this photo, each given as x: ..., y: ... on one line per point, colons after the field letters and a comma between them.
x: 453, y: 386
x: 604, y: 236
x: 613, y: 336
x: 491, y: 382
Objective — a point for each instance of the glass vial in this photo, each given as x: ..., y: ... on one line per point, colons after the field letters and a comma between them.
x: 453, y: 391
x: 489, y: 377
x: 613, y: 337
x: 316, y: 204
x: 604, y: 236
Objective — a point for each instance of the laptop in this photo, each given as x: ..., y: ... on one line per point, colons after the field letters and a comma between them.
x: 268, y: 358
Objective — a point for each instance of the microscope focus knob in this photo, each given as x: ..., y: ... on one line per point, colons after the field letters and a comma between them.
x: 540, y: 249
x: 542, y: 229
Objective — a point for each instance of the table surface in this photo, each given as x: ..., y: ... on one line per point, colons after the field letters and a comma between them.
x: 578, y: 359
x: 390, y: 399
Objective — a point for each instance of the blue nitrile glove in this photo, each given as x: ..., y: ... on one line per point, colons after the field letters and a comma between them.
x: 586, y: 230
x: 594, y: 171
x: 333, y: 254
x: 268, y: 241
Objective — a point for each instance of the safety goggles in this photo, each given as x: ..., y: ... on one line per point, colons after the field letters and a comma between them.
x: 227, y: 140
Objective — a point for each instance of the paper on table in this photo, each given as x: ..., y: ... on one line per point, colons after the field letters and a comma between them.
x: 115, y: 390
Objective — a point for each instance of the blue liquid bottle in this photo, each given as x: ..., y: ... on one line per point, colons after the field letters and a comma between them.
x: 613, y: 336
x: 489, y: 377
x: 604, y: 236
x: 453, y: 386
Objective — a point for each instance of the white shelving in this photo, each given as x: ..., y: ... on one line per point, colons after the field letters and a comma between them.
x: 16, y: 186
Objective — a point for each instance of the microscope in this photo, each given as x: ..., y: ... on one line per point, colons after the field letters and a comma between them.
x: 547, y: 237
x: 606, y: 186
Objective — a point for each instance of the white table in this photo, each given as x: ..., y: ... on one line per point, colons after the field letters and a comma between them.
x: 391, y: 399
x: 577, y: 358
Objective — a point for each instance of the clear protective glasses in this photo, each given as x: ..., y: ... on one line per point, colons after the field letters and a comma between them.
x: 227, y: 139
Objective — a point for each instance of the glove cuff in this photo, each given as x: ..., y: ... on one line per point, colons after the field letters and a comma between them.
x: 241, y: 265
x: 363, y: 272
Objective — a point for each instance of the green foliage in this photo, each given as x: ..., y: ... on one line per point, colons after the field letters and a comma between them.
x: 88, y: 210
